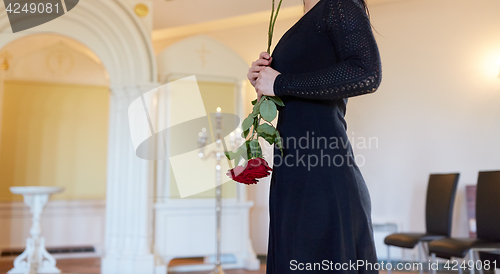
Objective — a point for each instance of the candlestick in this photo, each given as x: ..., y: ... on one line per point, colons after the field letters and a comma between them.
x: 218, y: 153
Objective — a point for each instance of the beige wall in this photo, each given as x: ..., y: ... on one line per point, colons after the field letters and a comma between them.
x: 54, y: 135
x: 214, y: 95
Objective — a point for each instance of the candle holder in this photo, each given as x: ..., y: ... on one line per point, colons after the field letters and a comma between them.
x: 235, y: 138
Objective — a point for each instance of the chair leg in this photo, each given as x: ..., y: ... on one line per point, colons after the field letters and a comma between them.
x: 471, y: 258
x: 481, y: 264
x: 432, y: 262
x: 389, y: 270
x: 427, y: 259
x: 425, y: 246
x: 420, y: 247
x: 497, y: 270
x: 460, y: 270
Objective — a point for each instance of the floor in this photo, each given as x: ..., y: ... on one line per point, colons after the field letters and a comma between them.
x: 93, y: 265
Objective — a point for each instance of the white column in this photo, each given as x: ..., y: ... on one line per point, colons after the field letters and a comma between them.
x: 128, y: 222
x: 143, y: 236
x: 113, y: 241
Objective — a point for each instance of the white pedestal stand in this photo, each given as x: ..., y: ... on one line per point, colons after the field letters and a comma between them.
x: 35, y: 258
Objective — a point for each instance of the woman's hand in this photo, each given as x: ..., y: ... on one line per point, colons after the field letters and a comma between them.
x: 264, y: 84
x: 263, y: 61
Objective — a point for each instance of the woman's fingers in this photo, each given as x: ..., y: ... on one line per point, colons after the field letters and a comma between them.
x: 258, y: 65
x: 264, y: 61
x: 256, y: 68
x: 253, y: 72
x: 264, y: 55
x: 252, y: 76
x: 261, y: 62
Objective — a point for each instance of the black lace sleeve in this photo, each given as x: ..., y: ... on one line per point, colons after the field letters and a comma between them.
x: 359, y: 69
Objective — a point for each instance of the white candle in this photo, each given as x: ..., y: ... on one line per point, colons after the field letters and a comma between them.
x: 218, y: 114
x: 232, y: 140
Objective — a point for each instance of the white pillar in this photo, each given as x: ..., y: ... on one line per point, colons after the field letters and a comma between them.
x: 129, y: 194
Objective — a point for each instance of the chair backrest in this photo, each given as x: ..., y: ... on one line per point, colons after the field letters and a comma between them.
x: 439, y: 204
x: 488, y: 205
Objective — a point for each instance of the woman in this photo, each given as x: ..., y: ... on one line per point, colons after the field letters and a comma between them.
x: 319, y: 204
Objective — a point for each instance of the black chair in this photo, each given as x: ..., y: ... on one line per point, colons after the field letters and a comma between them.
x: 487, y: 223
x: 438, y: 215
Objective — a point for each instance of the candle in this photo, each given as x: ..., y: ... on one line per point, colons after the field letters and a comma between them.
x: 232, y: 140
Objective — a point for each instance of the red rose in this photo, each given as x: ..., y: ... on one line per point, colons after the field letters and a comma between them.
x: 255, y: 169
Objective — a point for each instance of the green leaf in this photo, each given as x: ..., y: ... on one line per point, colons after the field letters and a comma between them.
x: 244, y: 134
x: 230, y: 155
x: 266, y: 128
x: 268, y: 138
x: 255, y: 110
x: 254, y: 102
x: 268, y: 110
x: 240, y: 153
x: 276, y: 100
x: 241, y: 150
x: 247, y: 123
x: 238, y: 159
x: 255, y: 148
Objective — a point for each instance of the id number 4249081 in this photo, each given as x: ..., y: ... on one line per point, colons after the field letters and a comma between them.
x: 470, y: 264
x: 33, y: 8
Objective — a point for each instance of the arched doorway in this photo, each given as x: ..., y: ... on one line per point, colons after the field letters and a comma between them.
x: 53, y: 132
x: 117, y: 37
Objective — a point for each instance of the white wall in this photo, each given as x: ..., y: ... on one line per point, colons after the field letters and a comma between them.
x: 436, y: 110
x: 64, y: 224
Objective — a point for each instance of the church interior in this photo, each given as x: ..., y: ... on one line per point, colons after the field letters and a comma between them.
x: 67, y: 126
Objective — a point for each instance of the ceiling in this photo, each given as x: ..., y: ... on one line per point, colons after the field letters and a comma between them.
x: 174, y: 13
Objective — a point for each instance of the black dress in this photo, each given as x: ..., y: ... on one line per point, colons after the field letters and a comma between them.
x: 319, y: 203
